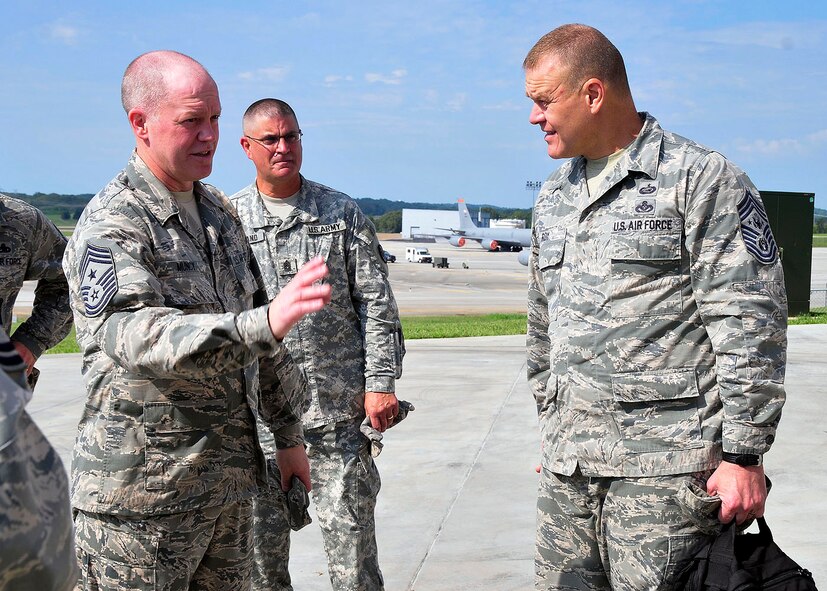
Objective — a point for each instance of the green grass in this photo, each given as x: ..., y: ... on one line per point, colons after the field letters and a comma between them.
x: 818, y: 317
x: 819, y: 240
x: 440, y: 327
x: 415, y: 327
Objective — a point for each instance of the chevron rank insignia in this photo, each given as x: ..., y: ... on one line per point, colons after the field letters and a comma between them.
x: 99, y: 282
x: 755, y: 228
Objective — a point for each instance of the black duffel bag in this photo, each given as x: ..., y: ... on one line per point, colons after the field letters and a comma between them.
x: 746, y: 562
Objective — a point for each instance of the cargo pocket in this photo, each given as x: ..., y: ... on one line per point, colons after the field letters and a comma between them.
x: 550, y: 263
x: 657, y: 411
x: 646, y: 274
x: 115, y: 558
x: 183, y: 446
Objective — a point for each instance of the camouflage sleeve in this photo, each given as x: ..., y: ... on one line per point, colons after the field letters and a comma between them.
x: 284, y: 398
x: 374, y: 303
x: 51, y: 316
x: 538, y: 360
x: 739, y: 288
x: 139, y: 330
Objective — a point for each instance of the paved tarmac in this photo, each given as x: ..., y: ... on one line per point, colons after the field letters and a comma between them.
x: 456, y: 511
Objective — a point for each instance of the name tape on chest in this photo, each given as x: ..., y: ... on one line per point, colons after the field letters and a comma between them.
x: 646, y: 225
x: 9, y: 255
x: 255, y: 237
x: 98, y: 279
x: 755, y: 229
x: 326, y: 228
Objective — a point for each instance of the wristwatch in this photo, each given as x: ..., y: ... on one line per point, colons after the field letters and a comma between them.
x: 743, y: 459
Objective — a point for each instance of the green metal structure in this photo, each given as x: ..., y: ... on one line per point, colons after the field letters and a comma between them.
x: 791, y: 220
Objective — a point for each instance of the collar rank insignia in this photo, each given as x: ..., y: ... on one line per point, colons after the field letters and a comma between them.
x: 755, y: 229
x: 99, y: 281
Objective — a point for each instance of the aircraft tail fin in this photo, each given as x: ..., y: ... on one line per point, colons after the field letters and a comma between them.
x: 465, y: 221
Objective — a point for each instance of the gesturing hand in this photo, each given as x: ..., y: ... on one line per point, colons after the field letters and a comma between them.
x: 301, y: 296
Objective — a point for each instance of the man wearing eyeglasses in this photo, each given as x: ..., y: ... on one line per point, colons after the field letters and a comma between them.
x: 350, y: 352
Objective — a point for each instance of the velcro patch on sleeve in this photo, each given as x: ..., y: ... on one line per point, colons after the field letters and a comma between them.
x: 99, y: 280
x: 755, y: 229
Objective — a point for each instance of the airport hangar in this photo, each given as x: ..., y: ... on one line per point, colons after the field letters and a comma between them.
x: 430, y: 223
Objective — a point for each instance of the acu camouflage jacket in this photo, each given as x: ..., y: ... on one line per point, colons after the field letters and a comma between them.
x: 355, y: 343
x: 657, y: 313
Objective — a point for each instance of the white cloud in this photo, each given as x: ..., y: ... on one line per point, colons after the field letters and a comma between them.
x: 333, y: 79
x: 394, y: 78
x: 772, y: 147
x: 274, y: 74
x: 64, y: 33
x: 457, y: 102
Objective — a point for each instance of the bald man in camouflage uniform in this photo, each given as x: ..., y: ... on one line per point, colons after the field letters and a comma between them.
x: 167, y: 458
x: 656, y: 331
x: 31, y: 248
x: 351, y: 352
x: 36, y: 549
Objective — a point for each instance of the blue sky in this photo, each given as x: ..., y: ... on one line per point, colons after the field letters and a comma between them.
x: 415, y: 101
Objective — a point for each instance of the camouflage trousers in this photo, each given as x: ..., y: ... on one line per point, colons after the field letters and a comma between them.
x: 345, y: 487
x: 619, y: 533
x: 205, y: 549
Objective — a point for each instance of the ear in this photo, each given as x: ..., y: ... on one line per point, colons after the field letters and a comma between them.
x: 245, y: 145
x: 594, y: 93
x: 138, y: 120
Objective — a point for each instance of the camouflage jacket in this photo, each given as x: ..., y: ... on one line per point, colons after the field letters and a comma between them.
x: 657, y: 313
x: 36, y: 548
x: 31, y: 247
x: 355, y: 343
x: 170, y: 344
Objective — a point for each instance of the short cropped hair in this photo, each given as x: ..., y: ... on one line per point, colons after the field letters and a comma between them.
x: 584, y: 51
x: 267, y: 108
x: 143, y: 83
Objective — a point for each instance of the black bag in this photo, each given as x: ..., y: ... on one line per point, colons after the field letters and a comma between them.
x: 747, y: 562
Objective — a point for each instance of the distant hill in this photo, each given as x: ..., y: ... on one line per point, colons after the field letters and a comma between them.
x: 68, y: 207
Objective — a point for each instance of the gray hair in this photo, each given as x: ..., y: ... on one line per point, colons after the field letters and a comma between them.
x: 267, y: 108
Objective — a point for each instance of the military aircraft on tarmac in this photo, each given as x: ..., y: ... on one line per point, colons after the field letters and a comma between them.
x: 513, y: 239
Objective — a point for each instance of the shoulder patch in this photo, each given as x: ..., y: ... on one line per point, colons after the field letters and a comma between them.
x: 99, y: 281
x: 755, y: 229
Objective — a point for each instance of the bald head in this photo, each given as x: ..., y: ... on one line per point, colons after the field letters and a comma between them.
x: 583, y: 52
x: 148, y: 78
x: 267, y: 108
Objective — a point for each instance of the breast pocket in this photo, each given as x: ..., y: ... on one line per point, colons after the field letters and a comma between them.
x: 550, y: 264
x: 191, y: 293
x: 646, y: 274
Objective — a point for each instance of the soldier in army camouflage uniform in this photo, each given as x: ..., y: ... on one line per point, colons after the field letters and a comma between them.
x: 350, y: 352
x: 167, y: 459
x: 657, y: 331
x: 31, y: 247
x: 36, y: 549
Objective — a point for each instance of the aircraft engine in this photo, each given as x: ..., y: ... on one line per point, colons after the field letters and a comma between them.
x: 522, y: 258
x: 491, y: 245
x: 457, y: 240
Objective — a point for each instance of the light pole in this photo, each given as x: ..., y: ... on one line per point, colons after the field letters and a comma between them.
x: 533, y: 186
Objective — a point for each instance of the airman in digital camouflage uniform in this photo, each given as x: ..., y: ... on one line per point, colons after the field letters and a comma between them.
x: 350, y: 352
x: 656, y: 331
x: 31, y: 247
x: 36, y: 549
x: 163, y: 286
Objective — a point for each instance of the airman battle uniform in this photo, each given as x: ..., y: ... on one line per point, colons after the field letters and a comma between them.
x: 31, y: 247
x: 351, y: 346
x: 36, y: 549
x: 167, y: 459
x: 656, y: 340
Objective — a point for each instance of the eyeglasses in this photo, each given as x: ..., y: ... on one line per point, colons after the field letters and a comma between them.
x: 272, y: 141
